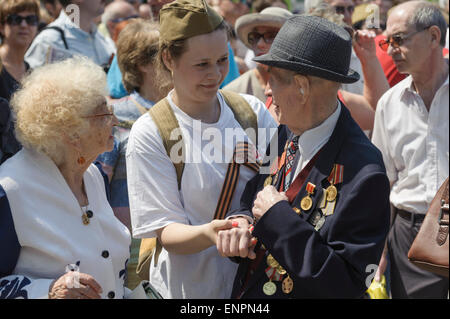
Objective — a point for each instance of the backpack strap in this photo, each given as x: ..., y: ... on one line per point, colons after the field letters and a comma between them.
x: 61, y: 32
x: 166, y: 122
x: 243, y: 113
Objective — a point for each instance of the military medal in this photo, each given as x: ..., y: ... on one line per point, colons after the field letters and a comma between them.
x: 271, y: 262
x: 320, y: 223
x: 268, y: 181
x: 336, y: 177
x: 323, y: 201
x: 269, y: 288
x: 306, y: 202
x: 281, y: 270
x: 315, y: 217
x: 331, y: 193
x: 329, y: 208
x: 287, y: 285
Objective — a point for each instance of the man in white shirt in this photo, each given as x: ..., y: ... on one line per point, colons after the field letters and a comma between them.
x: 73, y: 33
x: 411, y: 130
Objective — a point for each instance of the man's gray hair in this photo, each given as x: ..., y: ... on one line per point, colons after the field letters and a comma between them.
x: 311, y: 5
x: 426, y: 15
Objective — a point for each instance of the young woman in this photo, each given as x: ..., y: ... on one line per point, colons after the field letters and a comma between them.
x: 137, y: 48
x: 196, y: 55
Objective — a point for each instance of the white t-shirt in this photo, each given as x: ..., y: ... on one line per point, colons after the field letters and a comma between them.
x: 414, y: 143
x: 156, y: 202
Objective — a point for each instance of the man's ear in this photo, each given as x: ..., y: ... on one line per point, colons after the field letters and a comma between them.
x: 304, y: 87
x: 435, y: 33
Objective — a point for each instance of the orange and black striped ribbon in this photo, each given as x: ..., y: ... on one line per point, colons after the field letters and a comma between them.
x: 244, y: 154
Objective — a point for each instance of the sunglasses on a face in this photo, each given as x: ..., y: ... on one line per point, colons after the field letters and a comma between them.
x: 342, y: 9
x: 15, y: 19
x: 268, y: 37
x: 397, y: 39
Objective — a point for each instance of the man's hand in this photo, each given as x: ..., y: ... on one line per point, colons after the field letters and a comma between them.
x: 238, y: 241
x: 265, y: 199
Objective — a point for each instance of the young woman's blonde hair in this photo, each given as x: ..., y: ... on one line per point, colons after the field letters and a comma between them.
x: 52, y: 101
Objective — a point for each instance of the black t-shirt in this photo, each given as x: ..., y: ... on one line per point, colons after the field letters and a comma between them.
x: 8, y: 84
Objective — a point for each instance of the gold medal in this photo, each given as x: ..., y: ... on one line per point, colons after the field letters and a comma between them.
x: 268, y: 181
x: 269, y: 288
x: 281, y: 270
x: 306, y: 203
x: 85, y: 219
x: 331, y: 193
x: 272, y: 262
x: 287, y: 285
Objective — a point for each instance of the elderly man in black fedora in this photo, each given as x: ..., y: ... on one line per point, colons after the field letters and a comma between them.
x: 321, y: 215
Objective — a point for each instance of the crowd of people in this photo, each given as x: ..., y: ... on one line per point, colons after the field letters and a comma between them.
x: 220, y: 148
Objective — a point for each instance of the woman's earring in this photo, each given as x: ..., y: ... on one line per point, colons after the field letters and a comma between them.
x: 301, y: 91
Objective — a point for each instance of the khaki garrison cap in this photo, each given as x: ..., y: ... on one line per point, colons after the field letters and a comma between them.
x: 183, y: 19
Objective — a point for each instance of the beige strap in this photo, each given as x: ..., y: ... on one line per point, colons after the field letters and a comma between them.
x: 166, y: 122
x: 243, y: 113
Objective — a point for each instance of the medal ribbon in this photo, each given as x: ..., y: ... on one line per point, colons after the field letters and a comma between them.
x: 310, y: 187
x: 337, y: 174
x: 272, y: 274
x: 244, y: 154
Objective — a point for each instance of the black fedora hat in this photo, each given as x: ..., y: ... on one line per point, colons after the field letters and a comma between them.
x: 314, y: 46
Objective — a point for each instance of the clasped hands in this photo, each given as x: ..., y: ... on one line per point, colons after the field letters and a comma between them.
x: 238, y: 240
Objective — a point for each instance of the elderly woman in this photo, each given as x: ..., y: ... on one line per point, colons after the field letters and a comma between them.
x: 137, y: 48
x: 19, y: 21
x: 183, y: 207
x: 59, y: 237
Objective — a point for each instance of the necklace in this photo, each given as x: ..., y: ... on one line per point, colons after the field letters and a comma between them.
x: 86, y: 214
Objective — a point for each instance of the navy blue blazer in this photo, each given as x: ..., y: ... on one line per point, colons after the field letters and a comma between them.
x: 335, y: 261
